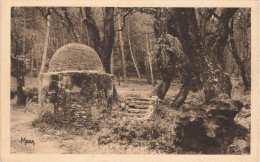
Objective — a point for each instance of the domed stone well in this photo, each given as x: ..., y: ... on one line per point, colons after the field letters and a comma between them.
x: 79, y: 90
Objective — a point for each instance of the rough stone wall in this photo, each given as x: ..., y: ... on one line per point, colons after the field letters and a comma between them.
x: 80, y: 97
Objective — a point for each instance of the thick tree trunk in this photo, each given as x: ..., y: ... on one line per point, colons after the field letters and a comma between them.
x: 93, y: 32
x: 21, y: 82
x: 18, y: 60
x: 20, y: 72
x: 45, y: 48
x: 162, y: 89
x: 218, y: 115
x: 202, y: 20
x: 102, y: 47
x: 238, y: 60
x: 109, y: 37
x: 105, y: 46
x: 184, y: 91
x: 165, y: 62
x: 168, y: 55
x: 205, y: 62
x: 222, y: 33
x: 20, y: 75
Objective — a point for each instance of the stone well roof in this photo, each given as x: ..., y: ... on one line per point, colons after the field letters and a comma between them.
x: 75, y: 57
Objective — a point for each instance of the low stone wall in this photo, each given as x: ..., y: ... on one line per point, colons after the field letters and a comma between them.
x: 80, y: 97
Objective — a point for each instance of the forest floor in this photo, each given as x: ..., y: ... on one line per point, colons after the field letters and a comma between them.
x: 49, y: 139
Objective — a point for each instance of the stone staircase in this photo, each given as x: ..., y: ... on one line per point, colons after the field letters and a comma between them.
x: 139, y: 108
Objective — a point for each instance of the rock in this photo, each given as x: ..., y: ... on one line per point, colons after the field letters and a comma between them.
x: 209, y: 130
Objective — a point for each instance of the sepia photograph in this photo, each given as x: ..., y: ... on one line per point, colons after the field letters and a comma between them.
x: 130, y: 80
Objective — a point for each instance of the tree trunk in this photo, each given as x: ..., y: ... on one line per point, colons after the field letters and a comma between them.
x: 109, y: 37
x: 162, y: 88
x: 37, y: 62
x: 222, y: 33
x: 206, y: 63
x: 122, y: 49
x: 214, y: 125
x: 45, y: 48
x: 32, y: 67
x: 238, y: 60
x: 81, y: 32
x: 147, y: 69
x: 18, y: 60
x: 112, y: 69
x: 184, y: 91
x: 21, y: 70
x: 93, y: 32
x: 165, y: 61
x: 131, y: 52
x: 21, y: 82
x: 102, y: 47
x: 149, y: 59
x: 164, y: 57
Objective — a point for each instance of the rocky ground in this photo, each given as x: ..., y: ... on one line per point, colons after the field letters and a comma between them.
x: 133, y: 129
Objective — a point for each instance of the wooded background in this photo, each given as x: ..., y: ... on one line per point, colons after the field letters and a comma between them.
x: 151, y: 43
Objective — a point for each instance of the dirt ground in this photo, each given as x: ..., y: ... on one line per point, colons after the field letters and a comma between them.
x: 57, y: 142
x: 60, y: 141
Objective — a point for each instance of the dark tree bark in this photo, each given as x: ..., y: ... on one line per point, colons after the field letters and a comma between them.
x: 20, y: 72
x: 205, y: 63
x: 18, y: 60
x: 241, y: 64
x: 214, y: 122
x: 165, y: 61
x: 164, y: 58
x: 222, y: 33
x: 103, y: 47
x: 168, y: 60
x: 93, y: 32
x: 109, y: 37
x: 184, y: 91
x: 204, y: 16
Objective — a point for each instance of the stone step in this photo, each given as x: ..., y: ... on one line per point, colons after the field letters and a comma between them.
x: 138, y: 99
x: 131, y: 115
x: 140, y: 107
x: 138, y: 111
x: 133, y: 95
x: 134, y: 118
x: 139, y: 103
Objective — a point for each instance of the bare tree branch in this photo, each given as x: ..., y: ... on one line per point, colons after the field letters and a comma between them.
x: 124, y: 17
x: 65, y: 19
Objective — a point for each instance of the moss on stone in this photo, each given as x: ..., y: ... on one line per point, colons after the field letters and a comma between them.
x: 75, y: 56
